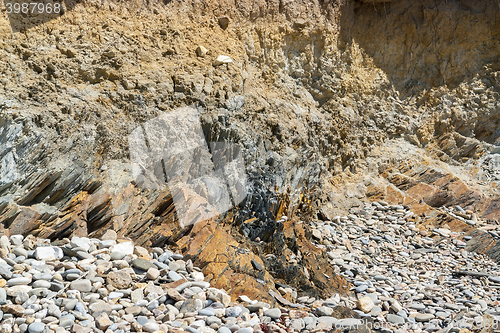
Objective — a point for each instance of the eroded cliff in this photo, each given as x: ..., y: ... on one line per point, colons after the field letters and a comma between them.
x: 332, y: 102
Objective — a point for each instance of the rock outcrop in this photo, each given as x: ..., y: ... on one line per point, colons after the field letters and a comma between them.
x: 326, y: 115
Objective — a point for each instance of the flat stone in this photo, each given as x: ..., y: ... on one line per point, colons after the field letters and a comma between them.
x: 36, y: 327
x: 71, y: 304
x: 16, y: 310
x: 152, y: 273
x: 207, y: 312
x: 273, y: 313
x: 191, y: 305
x: 42, y: 276
x: 133, y: 310
x: 121, y: 250
x: 18, y: 281
x: 151, y: 327
x: 115, y: 294
x: 218, y: 295
x: 119, y: 279
x: 41, y: 284
x: 16, y: 239
x: 82, y: 285
x: 5, y: 272
x: 416, y: 306
x: 137, y: 295
x: 365, y: 304
x: 495, y: 279
x: 326, y: 323
x: 142, y: 264
x: 442, y: 314
x: 3, y: 296
x: 395, y: 319
x: 222, y: 59
x: 99, y: 307
x: 322, y: 311
x: 422, y: 317
x: 361, y: 288
x: 104, y: 244
x: 245, y: 330
x: 234, y: 311
x: 103, y: 321
x: 174, y: 276
x: 81, y: 242
x: 45, y: 253
x: 20, y: 251
x: 109, y: 235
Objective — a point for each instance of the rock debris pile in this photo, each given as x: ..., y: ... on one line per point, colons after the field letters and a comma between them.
x: 404, y: 280
x: 88, y: 285
x: 411, y: 278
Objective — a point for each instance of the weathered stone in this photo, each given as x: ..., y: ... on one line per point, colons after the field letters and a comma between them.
x: 365, y: 304
x: 119, y: 279
x: 103, y: 322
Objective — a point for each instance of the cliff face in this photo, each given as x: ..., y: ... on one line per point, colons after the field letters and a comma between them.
x: 332, y: 102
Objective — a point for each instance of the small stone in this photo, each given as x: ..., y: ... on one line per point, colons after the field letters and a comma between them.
x: 422, y: 317
x: 142, y: 253
x: 18, y: 281
x: 224, y: 22
x: 137, y: 295
x: 234, y: 311
x: 174, y: 276
x: 36, y: 327
x: 191, y: 305
x: 396, y: 307
x: 115, y: 294
x: 16, y: 310
x: 365, y: 304
x: 245, y: 330
x: 442, y: 314
x: 273, y: 313
x: 323, y: 311
x: 109, y: 235
x: 45, y: 253
x: 41, y: 284
x: 4, y: 242
x: 218, y: 295
x: 175, y: 295
x: 151, y: 327
x: 201, y: 51
x: 142, y: 264
x: 20, y: 251
x: 207, y: 312
x: 119, y: 279
x: 222, y: 59
x: 16, y: 239
x: 99, y: 307
x: 361, y: 288
x: 103, y: 321
x: 133, y: 310
x: 395, y: 319
x: 80, y: 242
x: 120, y: 250
x: 316, y: 234
x: 83, y: 285
x: 3, y: 296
